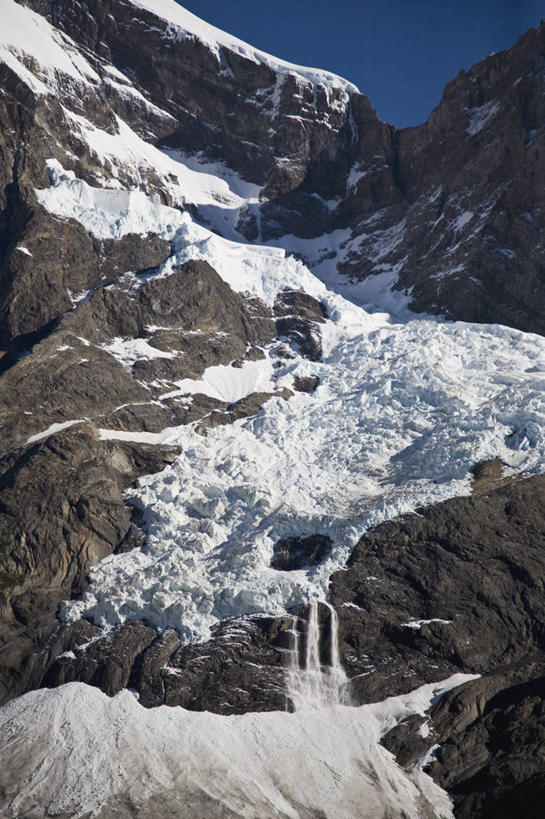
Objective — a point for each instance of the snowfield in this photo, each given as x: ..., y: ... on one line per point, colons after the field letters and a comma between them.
x: 72, y: 751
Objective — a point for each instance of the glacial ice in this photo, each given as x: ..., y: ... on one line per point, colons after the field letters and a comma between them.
x: 406, y: 405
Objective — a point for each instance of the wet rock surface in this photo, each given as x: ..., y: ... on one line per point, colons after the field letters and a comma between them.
x: 243, y: 667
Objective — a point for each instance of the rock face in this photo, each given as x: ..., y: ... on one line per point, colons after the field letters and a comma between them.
x: 61, y: 512
x: 222, y: 101
x: 458, y: 586
x: 494, y: 739
x: 243, y: 667
x: 459, y: 583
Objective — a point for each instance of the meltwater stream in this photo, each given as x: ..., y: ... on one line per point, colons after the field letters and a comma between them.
x: 311, y: 682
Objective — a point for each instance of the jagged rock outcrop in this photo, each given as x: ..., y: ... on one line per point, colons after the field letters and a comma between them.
x: 235, y: 106
x: 451, y: 209
x: 72, y: 374
x: 297, y: 316
x: 456, y: 585
x: 292, y: 553
x: 242, y: 668
x: 475, y: 172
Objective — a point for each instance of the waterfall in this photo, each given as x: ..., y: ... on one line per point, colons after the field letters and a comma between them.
x: 311, y: 684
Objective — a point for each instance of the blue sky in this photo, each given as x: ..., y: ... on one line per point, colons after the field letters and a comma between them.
x: 401, y: 53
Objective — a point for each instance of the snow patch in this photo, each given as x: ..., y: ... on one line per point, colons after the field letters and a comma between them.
x: 462, y: 219
x: 227, y: 383
x: 130, y: 350
x: 357, y: 172
x: 51, y: 430
x: 104, y: 212
x: 478, y: 118
x: 417, y: 624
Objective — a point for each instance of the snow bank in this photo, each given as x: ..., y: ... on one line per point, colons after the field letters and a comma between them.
x: 73, y: 751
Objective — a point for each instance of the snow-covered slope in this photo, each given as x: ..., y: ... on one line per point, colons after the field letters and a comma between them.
x: 28, y: 41
x: 75, y: 752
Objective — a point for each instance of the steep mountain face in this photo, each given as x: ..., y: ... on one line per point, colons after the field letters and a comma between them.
x: 451, y: 210
x: 218, y: 405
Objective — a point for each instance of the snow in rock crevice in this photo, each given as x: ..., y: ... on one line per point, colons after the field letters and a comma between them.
x: 28, y: 41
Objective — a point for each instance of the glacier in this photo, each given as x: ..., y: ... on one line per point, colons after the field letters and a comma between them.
x: 405, y: 406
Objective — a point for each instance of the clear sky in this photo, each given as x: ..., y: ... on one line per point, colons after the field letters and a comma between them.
x: 401, y: 53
